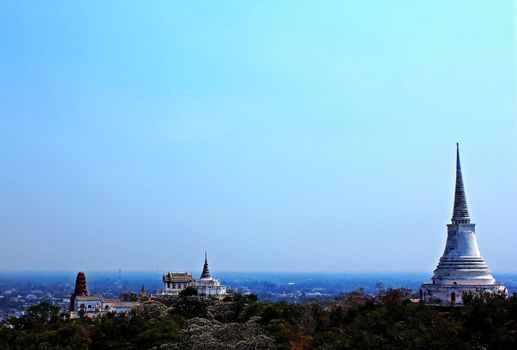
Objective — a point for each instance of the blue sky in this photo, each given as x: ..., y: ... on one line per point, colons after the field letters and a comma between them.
x: 278, y: 135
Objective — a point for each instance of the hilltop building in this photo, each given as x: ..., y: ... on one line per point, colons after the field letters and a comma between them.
x: 81, y: 302
x: 206, y: 285
x: 81, y: 290
x: 175, y: 282
x: 461, y: 269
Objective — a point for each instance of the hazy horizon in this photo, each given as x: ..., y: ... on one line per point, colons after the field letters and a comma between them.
x: 279, y: 136
x: 197, y: 271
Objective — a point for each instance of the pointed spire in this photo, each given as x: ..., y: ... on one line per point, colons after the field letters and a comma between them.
x: 80, y: 285
x: 206, y: 271
x: 460, y: 214
x: 81, y: 290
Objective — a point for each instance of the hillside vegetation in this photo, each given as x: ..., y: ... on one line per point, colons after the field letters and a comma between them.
x: 353, y: 321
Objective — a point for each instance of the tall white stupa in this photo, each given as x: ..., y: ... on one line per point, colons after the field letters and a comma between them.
x: 461, y: 269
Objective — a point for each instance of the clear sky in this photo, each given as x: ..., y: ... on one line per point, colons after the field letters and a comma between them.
x: 278, y: 135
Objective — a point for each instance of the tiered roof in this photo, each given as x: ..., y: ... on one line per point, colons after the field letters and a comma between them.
x: 206, y: 271
x: 177, y: 277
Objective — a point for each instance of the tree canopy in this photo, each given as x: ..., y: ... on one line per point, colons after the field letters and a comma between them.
x: 353, y: 321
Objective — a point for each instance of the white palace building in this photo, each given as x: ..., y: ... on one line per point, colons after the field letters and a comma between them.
x: 206, y: 285
x: 461, y: 270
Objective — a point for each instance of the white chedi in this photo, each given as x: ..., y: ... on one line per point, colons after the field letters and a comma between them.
x: 461, y: 270
x: 206, y: 285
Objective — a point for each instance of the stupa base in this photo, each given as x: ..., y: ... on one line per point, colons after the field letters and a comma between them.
x: 453, y: 295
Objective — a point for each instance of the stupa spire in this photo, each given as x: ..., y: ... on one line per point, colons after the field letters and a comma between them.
x: 461, y: 270
x: 460, y: 214
x: 206, y: 271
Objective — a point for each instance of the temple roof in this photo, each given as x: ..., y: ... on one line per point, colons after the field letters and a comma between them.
x: 206, y: 271
x: 460, y: 214
x: 177, y: 277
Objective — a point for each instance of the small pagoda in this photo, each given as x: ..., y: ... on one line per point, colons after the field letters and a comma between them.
x: 206, y: 285
x: 81, y: 290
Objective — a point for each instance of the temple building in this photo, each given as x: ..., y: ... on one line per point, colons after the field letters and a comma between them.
x: 206, y: 285
x: 175, y: 282
x: 81, y: 290
x: 461, y: 269
x: 82, y: 303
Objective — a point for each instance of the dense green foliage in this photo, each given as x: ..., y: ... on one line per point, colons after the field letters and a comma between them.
x: 354, y: 321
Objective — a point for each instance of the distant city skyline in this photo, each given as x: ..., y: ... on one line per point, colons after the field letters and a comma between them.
x: 291, y: 136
